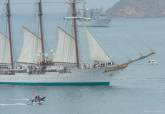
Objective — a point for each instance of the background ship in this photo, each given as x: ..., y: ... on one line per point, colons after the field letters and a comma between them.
x: 94, y: 17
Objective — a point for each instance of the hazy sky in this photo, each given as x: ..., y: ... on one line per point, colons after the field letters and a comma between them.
x: 51, y: 6
x: 100, y: 3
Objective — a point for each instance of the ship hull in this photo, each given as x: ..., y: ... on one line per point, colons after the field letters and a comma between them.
x: 95, y: 23
x: 89, y: 77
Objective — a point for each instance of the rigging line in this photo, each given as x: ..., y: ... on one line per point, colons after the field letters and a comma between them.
x: 53, y: 5
x: 144, y: 42
x: 141, y: 40
x: 55, y: 2
x: 37, y: 23
x: 3, y: 23
x: 118, y: 47
x: 20, y: 3
x: 68, y: 53
x: 126, y: 36
x: 137, y: 40
x: 25, y: 2
x: 48, y: 5
x: 86, y: 43
x: 130, y: 45
x: 66, y: 24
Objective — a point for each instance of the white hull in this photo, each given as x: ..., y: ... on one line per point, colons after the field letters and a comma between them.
x: 77, y: 77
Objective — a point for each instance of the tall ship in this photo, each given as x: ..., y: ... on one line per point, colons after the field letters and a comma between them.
x: 93, y: 17
x: 65, y: 66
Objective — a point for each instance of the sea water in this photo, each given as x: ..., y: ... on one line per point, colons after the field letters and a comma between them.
x: 139, y: 89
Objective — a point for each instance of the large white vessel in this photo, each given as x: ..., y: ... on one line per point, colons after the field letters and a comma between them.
x: 62, y: 68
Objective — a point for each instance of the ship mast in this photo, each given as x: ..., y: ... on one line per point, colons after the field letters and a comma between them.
x: 74, y: 15
x: 40, y: 14
x: 8, y: 14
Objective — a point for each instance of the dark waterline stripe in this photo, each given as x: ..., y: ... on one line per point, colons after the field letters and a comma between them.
x: 58, y: 84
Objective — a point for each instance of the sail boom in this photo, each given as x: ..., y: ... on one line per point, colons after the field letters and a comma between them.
x: 66, y: 32
x: 26, y: 29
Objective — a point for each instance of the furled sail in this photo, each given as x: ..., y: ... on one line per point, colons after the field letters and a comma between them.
x: 65, y: 51
x: 31, y: 50
x: 4, y: 49
x: 96, y: 52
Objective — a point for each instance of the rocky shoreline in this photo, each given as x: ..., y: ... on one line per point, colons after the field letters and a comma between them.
x: 138, y: 8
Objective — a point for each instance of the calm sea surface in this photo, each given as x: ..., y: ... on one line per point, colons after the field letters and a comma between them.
x: 140, y: 89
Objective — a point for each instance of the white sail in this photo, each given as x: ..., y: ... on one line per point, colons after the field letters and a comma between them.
x: 31, y: 50
x: 65, y: 51
x: 96, y: 52
x: 4, y: 49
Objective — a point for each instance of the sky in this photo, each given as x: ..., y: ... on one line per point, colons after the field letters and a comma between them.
x: 24, y: 13
x: 51, y: 6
